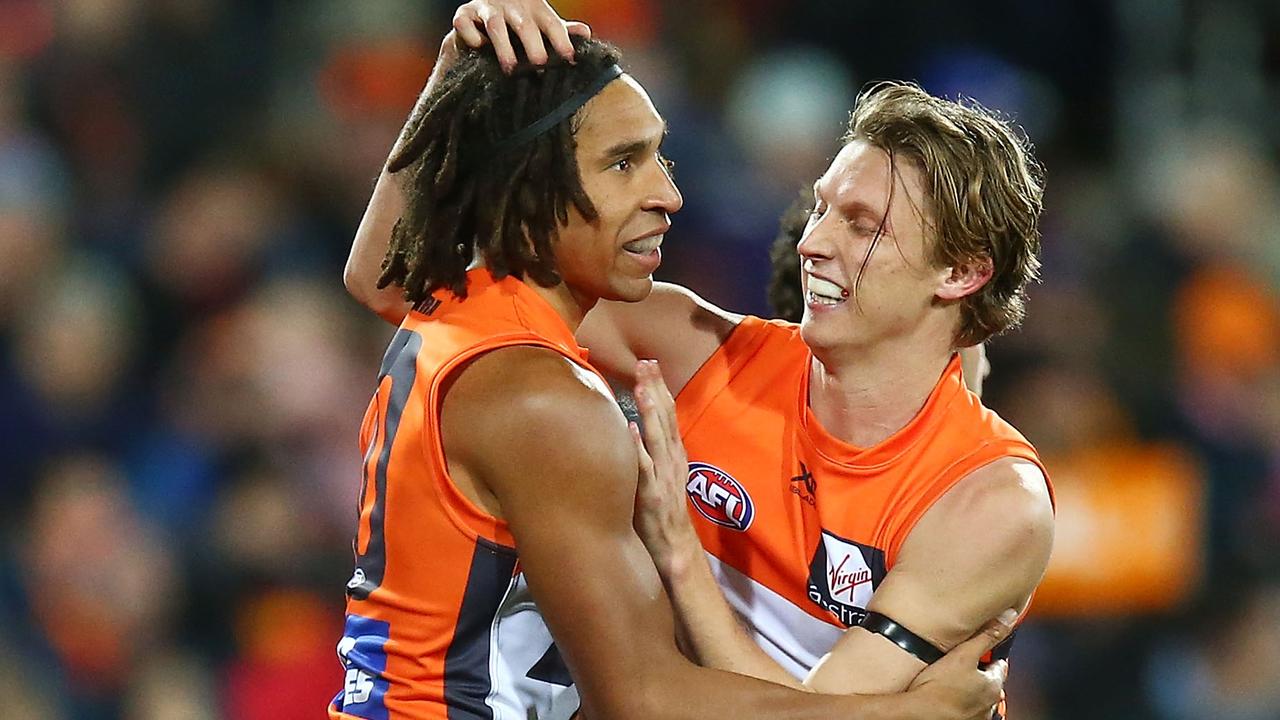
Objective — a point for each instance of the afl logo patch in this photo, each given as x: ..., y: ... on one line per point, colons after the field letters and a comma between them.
x: 718, y: 497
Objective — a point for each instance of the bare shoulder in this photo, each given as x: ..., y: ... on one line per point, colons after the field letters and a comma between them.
x: 1012, y: 491
x: 687, y: 307
x: 983, y: 546
x: 1002, y: 513
x: 691, y: 331
x: 673, y: 325
x: 523, y: 408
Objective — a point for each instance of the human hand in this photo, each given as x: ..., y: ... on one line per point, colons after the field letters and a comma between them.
x: 534, y: 22
x: 955, y: 688
x: 661, y: 515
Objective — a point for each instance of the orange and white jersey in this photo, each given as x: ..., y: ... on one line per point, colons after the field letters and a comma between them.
x: 800, y: 528
x: 439, y: 622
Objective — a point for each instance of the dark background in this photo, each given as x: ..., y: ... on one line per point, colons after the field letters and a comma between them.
x: 182, y: 374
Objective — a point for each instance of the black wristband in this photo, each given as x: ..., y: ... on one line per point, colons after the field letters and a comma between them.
x: 902, y: 637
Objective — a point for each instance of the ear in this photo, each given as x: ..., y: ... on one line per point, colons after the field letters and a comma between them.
x: 965, y: 278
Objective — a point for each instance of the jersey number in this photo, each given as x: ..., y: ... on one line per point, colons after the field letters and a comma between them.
x: 399, y: 370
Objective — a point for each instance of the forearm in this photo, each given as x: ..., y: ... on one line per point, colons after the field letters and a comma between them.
x: 708, y: 628
x: 364, y: 264
x: 862, y: 662
x: 697, y: 693
x: 711, y: 629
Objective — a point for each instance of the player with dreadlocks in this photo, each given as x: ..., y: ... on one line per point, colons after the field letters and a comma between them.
x: 457, y: 189
x: 498, y: 572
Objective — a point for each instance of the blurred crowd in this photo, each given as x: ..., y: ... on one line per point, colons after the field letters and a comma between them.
x: 182, y: 374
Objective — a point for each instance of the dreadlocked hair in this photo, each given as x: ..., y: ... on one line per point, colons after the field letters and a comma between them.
x: 462, y: 197
x: 786, y: 294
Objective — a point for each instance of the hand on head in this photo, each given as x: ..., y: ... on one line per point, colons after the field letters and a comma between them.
x: 534, y: 23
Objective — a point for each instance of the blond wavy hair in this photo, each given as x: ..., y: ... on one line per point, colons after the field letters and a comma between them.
x: 985, y: 191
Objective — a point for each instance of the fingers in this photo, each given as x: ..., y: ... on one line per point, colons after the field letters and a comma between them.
x: 982, y: 704
x: 478, y: 23
x: 557, y: 33
x: 991, y: 635
x: 650, y: 374
x: 642, y: 456
x: 495, y: 26
x: 530, y: 37
x: 655, y: 433
x: 996, y: 674
x: 465, y: 22
x: 657, y: 403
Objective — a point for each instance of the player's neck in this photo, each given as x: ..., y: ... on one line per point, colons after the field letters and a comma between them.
x: 863, y: 397
x: 571, y: 306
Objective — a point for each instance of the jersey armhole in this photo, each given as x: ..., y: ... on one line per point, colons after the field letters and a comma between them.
x: 715, y: 374
x: 960, y: 469
x: 472, y: 520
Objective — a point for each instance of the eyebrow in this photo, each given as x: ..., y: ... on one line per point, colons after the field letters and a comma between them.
x: 857, y: 207
x: 631, y: 147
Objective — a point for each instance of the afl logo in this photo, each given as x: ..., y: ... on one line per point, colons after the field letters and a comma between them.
x: 718, y: 497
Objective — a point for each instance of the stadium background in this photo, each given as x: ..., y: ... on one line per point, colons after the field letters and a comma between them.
x: 181, y: 373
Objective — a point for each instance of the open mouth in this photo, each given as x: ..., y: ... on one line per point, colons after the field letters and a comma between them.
x: 824, y: 292
x: 644, y: 246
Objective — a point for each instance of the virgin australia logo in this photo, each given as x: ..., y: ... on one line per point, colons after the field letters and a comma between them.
x: 843, y: 574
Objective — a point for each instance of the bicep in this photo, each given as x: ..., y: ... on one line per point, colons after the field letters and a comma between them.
x: 673, y: 325
x: 978, y: 551
x: 564, y: 471
x: 598, y: 591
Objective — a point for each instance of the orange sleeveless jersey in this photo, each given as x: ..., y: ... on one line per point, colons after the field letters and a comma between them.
x: 439, y: 621
x: 800, y: 528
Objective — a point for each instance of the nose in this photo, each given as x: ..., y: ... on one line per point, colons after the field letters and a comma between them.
x: 815, y: 243
x: 664, y: 195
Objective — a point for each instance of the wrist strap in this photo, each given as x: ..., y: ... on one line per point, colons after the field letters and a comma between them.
x: 902, y: 637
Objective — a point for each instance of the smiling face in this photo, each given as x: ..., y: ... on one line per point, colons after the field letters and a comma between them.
x: 902, y: 291
x: 613, y: 257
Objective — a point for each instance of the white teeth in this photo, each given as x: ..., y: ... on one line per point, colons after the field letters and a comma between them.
x: 644, y: 246
x: 825, y: 289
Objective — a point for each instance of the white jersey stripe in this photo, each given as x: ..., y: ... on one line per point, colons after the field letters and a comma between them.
x: 518, y: 640
x: 788, y: 634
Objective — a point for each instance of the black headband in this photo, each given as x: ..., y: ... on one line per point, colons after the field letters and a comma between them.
x: 564, y: 110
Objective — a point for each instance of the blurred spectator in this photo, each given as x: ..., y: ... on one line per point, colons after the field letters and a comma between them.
x: 182, y: 377
x: 171, y: 685
x: 69, y: 381
x: 100, y: 579
x: 1228, y: 669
